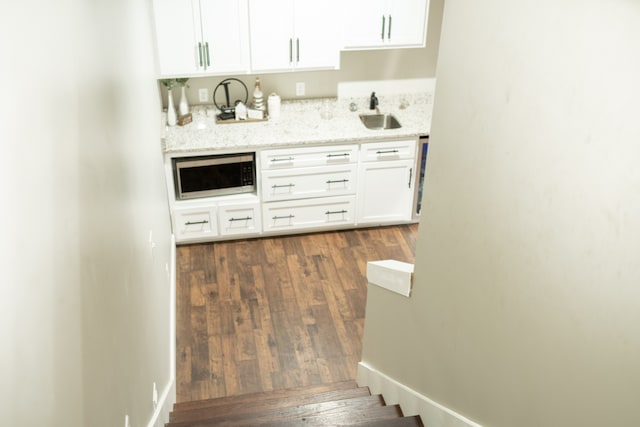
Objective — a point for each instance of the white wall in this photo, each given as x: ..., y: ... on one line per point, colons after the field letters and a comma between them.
x: 526, y: 299
x: 84, y: 319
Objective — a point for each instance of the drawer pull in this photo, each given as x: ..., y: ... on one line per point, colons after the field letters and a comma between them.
x: 337, y: 181
x: 387, y: 151
x: 247, y: 218
x: 283, y: 159
x: 274, y: 186
x: 197, y: 222
x: 335, y: 212
x: 275, y: 218
x: 330, y: 155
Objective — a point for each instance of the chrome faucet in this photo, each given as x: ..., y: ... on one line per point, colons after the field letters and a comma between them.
x: 373, y: 102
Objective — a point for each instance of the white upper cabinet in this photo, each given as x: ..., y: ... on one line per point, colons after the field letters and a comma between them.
x: 371, y: 24
x: 201, y: 37
x: 293, y: 35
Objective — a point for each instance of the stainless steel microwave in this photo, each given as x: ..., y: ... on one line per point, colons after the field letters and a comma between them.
x: 216, y: 175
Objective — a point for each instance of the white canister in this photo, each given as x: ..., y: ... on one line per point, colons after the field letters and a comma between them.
x: 241, y: 111
x: 273, y: 104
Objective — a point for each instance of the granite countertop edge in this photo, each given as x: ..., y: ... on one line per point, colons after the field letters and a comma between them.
x: 301, y: 122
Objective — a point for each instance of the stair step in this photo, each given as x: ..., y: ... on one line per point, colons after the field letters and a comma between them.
x: 271, y: 403
x: 267, y: 395
x: 382, y: 416
x: 413, y: 421
x: 339, y: 412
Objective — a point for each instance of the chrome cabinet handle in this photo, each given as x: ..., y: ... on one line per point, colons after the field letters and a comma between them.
x: 338, y: 155
x: 275, y: 218
x: 389, y: 30
x: 336, y: 212
x: 297, y: 50
x: 282, y: 159
x: 197, y: 222
x: 247, y: 218
x: 200, y: 53
x: 337, y: 181
x: 290, y: 51
x: 387, y: 151
x: 383, y: 25
x: 206, y: 49
x: 274, y: 186
x: 410, y: 176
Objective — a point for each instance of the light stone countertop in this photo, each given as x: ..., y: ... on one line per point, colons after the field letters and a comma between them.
x: 300, y: 123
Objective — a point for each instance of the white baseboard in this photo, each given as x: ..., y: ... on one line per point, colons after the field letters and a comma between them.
x: 168, y: 397
x: 432, y: 413
x: 165, y: 405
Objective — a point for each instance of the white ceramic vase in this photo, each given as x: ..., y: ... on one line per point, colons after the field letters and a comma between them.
x: 172, y: 117
x: 183, y: 106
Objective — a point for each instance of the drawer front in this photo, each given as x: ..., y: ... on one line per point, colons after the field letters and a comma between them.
x: 290, y: 184
x: 195, y: 224
x: 240, y: 220
x: 389, y: 150
x: 308, y: 156
x: 309, y: 214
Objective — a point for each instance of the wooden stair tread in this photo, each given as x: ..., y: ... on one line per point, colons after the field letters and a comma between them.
x: 413, y: 421
x: 337, y: 412
x: 378, y: 417
x: 261, y: 396
x: 272, y: 403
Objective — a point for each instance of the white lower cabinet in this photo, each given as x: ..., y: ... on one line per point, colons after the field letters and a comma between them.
x: 308, y: 214
x: 385, y: 182
x: 195, y: 224
x: 306, y: 189
x: 240, y: 220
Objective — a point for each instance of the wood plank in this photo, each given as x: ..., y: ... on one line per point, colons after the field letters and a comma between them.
x: 230, y: 366
x: 217, y: 385
x: 199, y: 344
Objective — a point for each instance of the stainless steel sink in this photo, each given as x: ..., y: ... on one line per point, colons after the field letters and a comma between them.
x: 380, y: 121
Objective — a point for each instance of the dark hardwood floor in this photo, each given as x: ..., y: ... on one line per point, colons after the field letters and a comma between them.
x: 272, y: 313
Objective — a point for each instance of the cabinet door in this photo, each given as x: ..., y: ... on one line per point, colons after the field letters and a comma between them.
x: 286, y: 35
x: 201, y: 37
x: 225, y: 35
x: 177, y: 27
x: 408, y: 24
x: 271, y: 34
x: 375, y: 24
x: 317, y: 35
x: 363, y: 26
x: 385, y: 191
